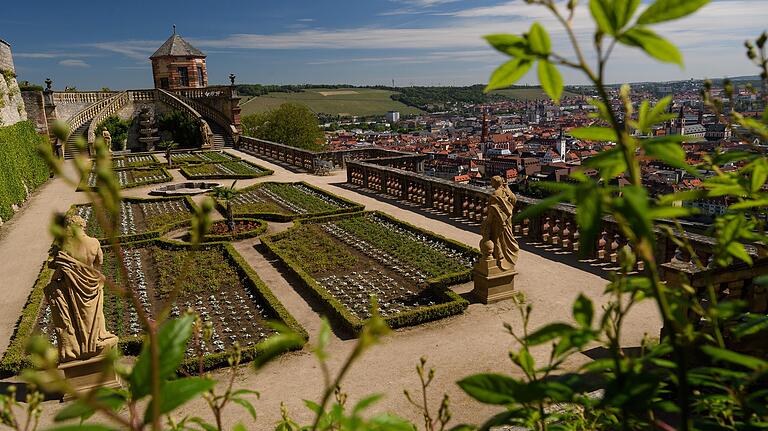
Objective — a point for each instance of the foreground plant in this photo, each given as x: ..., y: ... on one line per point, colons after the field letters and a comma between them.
x: 690, y: 379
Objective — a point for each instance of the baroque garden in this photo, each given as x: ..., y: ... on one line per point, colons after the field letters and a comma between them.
x: 259, y: 240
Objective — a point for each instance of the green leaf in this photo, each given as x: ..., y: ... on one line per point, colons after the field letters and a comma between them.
x: 240, y: 427
x: 548, y: 333
x: 246, y: 405
x: 174, y: 393
x: 509, y: 73
x: 276, y: 345
x: 583, y: 311
x: 539, y: 40
x: 726, y: 355
x: 550, y: 80
x: 667, y: 10
x: 79, y: 409
x: 83, y: 427
x: 601, y: 134
x: 366, y: 402
x: 524, y: 360
x: 672, y: 212
x: 668, y: 150
x: 172, y: 342
x: 759, y: 175
x: 749, y: 204
x: 490, y: 388
x: 509, y: 44
x: 653, y: 45
x: 737, y: 250
x: 623, y: 10
x: 602, y: 12
x: 610, y: 163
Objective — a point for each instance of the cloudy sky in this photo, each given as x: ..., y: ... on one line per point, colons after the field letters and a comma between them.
x: 92, y: 44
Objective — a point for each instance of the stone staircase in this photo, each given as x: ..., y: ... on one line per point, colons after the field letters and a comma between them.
x: 221, y: 138
x: 70, y: 148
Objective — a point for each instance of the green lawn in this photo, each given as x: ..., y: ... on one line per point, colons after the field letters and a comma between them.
x: 531, y: 93
x: 335, y: 101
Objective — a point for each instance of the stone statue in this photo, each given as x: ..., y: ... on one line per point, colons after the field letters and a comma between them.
x: 76, y: 295
x: 494, y: 275
x: 498, y: 236
x: 107, y: 140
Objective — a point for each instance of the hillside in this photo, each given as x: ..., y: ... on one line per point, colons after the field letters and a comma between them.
x: 360, y: 102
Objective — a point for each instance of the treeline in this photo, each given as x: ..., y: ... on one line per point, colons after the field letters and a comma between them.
x: 261, y: 90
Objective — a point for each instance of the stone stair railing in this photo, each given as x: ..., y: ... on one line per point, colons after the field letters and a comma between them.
x: 206, y: 111
x: 115, y: 104
x: 176, y: 102
x: 87, y: 114
x: 204, y: 93
x: 141, y: 95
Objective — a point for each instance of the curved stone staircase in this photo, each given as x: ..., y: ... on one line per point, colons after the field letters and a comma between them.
x: 70, y: 148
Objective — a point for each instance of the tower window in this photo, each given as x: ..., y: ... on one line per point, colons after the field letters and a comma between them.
x: 200, y: 81
x: 183, y: 76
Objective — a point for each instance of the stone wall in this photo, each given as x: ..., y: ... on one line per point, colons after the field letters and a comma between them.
x: 11, y: 104
x: 33, y: 103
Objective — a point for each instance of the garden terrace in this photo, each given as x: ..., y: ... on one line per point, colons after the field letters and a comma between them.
x: 238, y: 169
x: 244, y: 228
x: 132, y: 177
x: 214, y: 282
x: 287, y: 201
x: 140, y: 218
x: 346, y: 259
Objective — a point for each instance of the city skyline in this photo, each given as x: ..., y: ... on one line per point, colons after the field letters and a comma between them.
x: 413, y: 42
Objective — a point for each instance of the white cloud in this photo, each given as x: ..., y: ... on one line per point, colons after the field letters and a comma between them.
x: 135, y: 49
x: 49, y: 55
x: 73, y: 63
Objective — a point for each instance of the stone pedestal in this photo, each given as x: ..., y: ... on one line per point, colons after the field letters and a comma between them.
x: 492, y: 284
x: 86, y: 375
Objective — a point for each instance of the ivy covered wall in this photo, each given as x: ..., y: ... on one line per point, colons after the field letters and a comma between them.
x: 22, y: 170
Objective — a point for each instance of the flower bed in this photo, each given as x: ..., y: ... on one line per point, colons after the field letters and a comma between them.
x: 134, y: 161
x: 244, y: 228
x: 345, y: 259
x: 287, y: 201
x: 216, y: 283
x: 132, y: 177
x: 196, y: 157
x: 141, y: 218
x: 238, y: 169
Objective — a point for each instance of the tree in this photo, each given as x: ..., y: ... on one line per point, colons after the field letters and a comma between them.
x: 118, y: 129
x: 182, y: 128
x: 290, y: 124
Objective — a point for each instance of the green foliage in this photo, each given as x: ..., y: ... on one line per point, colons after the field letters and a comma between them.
x: 118, y: 129
x: 207, y: 273
x: 314, y: 251
x: 182, y: 127
x: 240, y: 169
x: 291, y: 124
x: 22, y: 169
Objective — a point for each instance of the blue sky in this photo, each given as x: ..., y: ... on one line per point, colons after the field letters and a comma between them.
x: 92, y: 44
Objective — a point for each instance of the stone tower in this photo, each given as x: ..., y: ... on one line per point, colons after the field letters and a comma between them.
x: 177, y: 65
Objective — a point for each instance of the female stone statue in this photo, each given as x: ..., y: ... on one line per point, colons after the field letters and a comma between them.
x: 498, y: 236
x: 76, y: 295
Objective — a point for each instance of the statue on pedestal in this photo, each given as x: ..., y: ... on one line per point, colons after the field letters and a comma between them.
x: 76, y: 295
x: 494, y: 274
x: 107, y: 140
x: 498, y: 235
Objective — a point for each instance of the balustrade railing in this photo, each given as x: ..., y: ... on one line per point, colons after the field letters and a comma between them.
x: 142, y: 95
x: 80, y: 96
x: 208, y: 112
x: 202, y: 93
x: 87, y: 114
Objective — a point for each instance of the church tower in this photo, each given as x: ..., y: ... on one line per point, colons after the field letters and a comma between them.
x: 178, y: 65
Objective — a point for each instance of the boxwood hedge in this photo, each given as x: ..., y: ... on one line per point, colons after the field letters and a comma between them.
x: 22, y: 169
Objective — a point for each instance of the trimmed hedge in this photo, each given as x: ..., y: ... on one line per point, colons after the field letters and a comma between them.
x: 240, y: 235
x: 167, y: 177
x: 22, y: 169
x: 15, y: 359
x: 451, y: 304
x: 184, y: 169
x: 149, y: 235
x: 352, y: 206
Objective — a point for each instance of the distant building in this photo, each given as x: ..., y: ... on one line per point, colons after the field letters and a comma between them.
x: 393, y: 117
x: 177, y: 64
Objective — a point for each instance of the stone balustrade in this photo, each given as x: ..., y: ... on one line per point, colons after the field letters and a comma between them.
x: 141, y: 95
x: 305, y: 159
x: 175, y: 102
x: 203, y: 93
x: 80, y: 96
x: 206, y: 111
x: 555, y: 229
x: 87, y: 114
x: 115, y: 104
